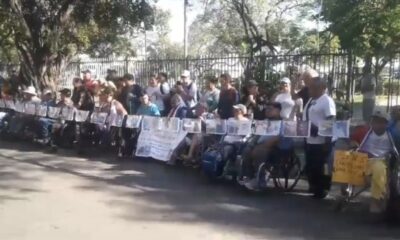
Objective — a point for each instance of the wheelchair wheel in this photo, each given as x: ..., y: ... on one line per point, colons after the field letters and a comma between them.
x: 263, y: 175
x: 287, y: 172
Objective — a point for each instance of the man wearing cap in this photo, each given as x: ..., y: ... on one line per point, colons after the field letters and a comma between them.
x: 188, y: 90
x: 319, y: 108
x: 253, y: 102
x: 285, y: 99
x: 378, y: 144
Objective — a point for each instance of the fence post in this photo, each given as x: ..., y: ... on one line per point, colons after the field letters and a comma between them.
x: 126, y: 64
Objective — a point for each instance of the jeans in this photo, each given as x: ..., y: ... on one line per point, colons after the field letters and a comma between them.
x: 44, y: 127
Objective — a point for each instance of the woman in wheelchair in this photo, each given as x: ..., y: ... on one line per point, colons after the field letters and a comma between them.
x: 379, y: 144
x: 262, y: 151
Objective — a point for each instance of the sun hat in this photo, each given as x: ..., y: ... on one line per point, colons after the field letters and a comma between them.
x: 241, y: 107
x: 30, y: 90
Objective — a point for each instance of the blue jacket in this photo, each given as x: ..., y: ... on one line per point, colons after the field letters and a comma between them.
x: 151, y: 110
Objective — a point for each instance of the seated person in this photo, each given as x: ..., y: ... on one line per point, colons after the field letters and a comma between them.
x: 147, y: 108
x: 62, y: 132
x: 233, y: 143
x: 378, y: 144
x: 263, y: 149
x: 43, y: 124
x: 178, y: 107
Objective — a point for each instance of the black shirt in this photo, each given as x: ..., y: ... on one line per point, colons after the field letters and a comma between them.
x: 130, y: 98
x: 304, y: 94
x: 256, y: 108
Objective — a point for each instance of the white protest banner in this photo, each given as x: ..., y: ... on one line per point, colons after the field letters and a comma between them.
x: 19, y: 107
x: 191, y: 125
x: 67, y: 114
x: 2, y: 103
x: 10, y: 104
x: 81, y: 116
x: 341, y: 129
x: 98, y: 117
x: 216, y: 126
x: 133, y: 121
x: 267, y: 128
x: 30, y: 108
x: 236, y: 127
x: 325, y: 128
x: 41, y: 111
x: 295, y: 129
x: 159, y: 145
x: 117, y: 121
x: 54, y: 112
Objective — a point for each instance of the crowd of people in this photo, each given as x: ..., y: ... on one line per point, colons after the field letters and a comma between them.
x: 121, y: 96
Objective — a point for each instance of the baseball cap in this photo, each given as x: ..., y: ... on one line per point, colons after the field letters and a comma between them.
x: 381, y: 114
x: 285, y: 80
x: 241, y: 107
x: 185, y: 73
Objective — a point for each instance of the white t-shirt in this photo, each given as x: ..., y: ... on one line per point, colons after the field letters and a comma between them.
x: 155, y: 96
x: 192, y: 91
x: 319, y: 110
x: 234, y: 138
x: 287, y: 103
x: 377, y: 146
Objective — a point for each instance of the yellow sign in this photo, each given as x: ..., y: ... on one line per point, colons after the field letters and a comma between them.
x: 350, y: 167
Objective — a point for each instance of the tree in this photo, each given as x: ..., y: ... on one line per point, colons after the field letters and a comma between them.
x: 47, y: 34
x: 370, y: 29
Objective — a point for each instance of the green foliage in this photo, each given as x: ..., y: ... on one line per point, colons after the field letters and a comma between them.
x: 364, y: 26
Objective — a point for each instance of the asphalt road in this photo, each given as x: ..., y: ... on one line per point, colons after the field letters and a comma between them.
x: 47, y: 196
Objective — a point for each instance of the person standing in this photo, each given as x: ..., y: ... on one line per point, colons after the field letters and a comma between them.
x: 188, y: 90
x: 165, y: 90
x: 319, y: 108
x: 130, y: 94
x: 253, y: 101
x: 154, y: 92
x: 211, y: 96
x: 228, y: 97
x: 306, y: 77
x: 285, y: 99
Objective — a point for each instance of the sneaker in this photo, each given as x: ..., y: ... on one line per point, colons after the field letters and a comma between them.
x: 252, y: 184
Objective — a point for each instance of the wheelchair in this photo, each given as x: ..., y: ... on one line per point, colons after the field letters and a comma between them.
x: 350, y: 192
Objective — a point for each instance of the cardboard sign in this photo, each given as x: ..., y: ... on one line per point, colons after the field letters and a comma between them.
x: 41, y: 111
x: 238, y: 128
x: 133, y: 121
x: 191, y: 125
x: 267, y: 128
x: 216, y: 126
x: 81, y: 116
x: 350, y: 167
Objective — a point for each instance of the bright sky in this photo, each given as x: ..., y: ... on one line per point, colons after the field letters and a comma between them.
x: 176, y: 9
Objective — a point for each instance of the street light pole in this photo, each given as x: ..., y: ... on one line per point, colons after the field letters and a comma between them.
x: 185, y: 51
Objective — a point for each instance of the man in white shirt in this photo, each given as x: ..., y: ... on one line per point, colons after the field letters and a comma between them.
x: 154, y: 93
x: 285, y: 99
x: 320, y: 107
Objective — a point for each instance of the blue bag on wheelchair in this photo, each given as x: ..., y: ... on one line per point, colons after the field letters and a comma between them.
x: 213, y: 162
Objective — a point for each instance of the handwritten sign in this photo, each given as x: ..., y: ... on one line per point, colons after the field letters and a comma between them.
x: 350, y: 167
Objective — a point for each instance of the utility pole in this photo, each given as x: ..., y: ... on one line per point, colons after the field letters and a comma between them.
x: 185, y: 45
